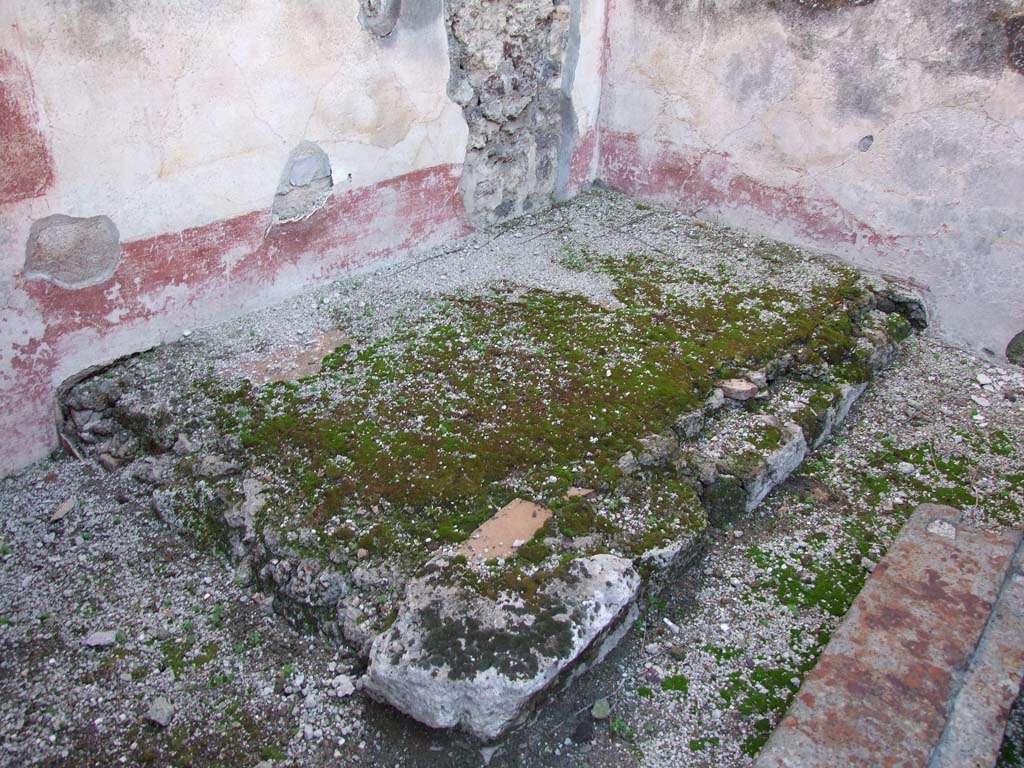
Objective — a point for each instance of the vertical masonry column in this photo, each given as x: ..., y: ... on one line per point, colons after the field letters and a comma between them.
x: 507, y: 67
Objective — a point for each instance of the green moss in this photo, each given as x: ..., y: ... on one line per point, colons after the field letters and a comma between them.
x: 378, y: 539
x: 725, y: 499
x: 427, y: 425
x: 575, y: 517
x: 534, y: 551
x: 763, y: 696
x: 1000, y: 443
x: 768, y: 439
x: 676, y: 683
x: 724, y: 654
x: 813, y: 417
x: 272, y: 753
x: 948, y: 479
x: 174, y: 655
x: 898, y: 328
x: 754, y: 743
x: 833, y: 585
x: 208, y: 654
x: 1011, y: 755
x: 701, y: 744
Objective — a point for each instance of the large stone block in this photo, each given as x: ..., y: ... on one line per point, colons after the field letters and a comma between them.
x: 458, y: 658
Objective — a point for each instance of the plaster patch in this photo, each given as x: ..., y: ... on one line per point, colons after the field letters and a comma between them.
x: 379, y: 17
x: 305, y: 184
x: 72, y: 252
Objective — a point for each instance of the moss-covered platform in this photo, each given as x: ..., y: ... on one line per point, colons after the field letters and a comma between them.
x: 591, y: 355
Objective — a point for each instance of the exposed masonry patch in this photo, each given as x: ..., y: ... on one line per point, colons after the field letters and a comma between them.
x: 305, y: 185
x: 507, y: 76
x: 72, y: 252
x: 379, y: 17
x: 1015, y: 43
x: 1015, y: 349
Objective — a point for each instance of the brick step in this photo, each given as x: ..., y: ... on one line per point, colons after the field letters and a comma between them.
x: 927, y: 663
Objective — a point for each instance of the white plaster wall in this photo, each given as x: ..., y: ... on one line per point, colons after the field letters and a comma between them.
x: 169, y: 115
x: 782, y: 98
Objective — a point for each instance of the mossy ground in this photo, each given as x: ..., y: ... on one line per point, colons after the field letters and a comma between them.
x: 419, y: 430
x: 408, y: 443
x: 780, y: 589
x: 837, y: 506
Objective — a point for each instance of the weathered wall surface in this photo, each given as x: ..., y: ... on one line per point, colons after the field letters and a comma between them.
x: 889, y: 132
x: 165, y: 164
x: 582, y: 86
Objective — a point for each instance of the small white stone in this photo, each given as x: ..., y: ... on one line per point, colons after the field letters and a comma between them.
x: 984, y: 378
x: 982, y: 401
x: 101, y: 639
x: 343, y: 686
x: 161, y: 712
x: 942, y: 528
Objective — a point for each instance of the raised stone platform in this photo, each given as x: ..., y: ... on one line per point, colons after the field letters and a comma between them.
x: 925, y: 667
x: 619, y: 399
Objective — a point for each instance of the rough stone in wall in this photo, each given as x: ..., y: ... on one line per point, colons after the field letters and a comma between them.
x: 73, y: 252
x: 1015, y: 349
x: 379, y: 17
x: 1015, y: 43
x: 305, y: 185
x: 506, y: 74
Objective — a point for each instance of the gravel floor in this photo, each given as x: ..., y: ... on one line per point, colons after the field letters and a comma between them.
x: 700, y: 681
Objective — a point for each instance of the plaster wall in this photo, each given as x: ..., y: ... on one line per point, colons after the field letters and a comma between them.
x: 888, y: 132
x: 176, y: 121
x: 200, y: 159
